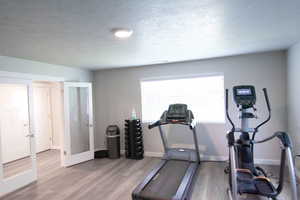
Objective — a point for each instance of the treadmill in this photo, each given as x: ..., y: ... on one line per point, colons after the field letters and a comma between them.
x: 173, y: 177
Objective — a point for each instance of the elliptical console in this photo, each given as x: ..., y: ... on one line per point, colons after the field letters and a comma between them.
x: 244, y: 96
x: 244, y: 176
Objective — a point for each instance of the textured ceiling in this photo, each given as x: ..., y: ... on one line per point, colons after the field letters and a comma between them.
x: 78, y: 32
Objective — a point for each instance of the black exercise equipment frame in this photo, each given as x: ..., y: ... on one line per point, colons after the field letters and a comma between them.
x: 234, y: 144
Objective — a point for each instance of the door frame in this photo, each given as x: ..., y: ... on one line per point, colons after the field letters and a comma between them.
x: 68, y: 158
x: 40, y: 77
x: 24, y: 178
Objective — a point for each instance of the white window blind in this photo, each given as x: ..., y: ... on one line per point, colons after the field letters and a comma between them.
x: 204, y: 95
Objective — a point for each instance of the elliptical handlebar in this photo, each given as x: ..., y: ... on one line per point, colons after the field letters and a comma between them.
x: 227, y: 113
x: 269, y: 111
x: 267, y: 99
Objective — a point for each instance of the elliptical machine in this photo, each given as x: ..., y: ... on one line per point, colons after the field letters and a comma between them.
x: 244, y: 176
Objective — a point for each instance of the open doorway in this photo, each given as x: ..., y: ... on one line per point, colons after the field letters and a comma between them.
x: 44, y: 121
x: 48, y: 126
x: 48, y: 117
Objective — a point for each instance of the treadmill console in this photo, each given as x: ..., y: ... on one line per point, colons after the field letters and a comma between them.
x: 177, y: 112
x: 244, y: 95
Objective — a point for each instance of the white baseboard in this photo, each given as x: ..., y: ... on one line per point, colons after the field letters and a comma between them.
x: 154, y: 154
x: 217, y: 158
x: 213, y: 158
x: 202, y: 148
x: 267, y: 162
x: 55, y: 147
x: 206, y: 157
x: 99, y: 149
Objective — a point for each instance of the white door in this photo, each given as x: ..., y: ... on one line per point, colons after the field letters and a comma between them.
x: 17, y: 142
x: 42, y: 117
x: 79, y: 132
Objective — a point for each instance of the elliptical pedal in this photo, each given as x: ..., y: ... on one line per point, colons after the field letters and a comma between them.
x: 265, y: 187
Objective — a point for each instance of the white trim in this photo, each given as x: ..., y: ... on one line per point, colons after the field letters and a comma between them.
x: 146, y: 119
x: 32, y: 77
x: 213, y: 158
x: 267, y: 162
x: 68, y: 158
x: 154, y: 154
x: 202, y: 148
x: 78, y: 158
x: 100, y: 149
x: 20, y: 180
x: 55, y: 147
x: 185, y: 76
x: 216, y: 158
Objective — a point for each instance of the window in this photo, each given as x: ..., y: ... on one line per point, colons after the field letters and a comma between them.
x: 204, y: 95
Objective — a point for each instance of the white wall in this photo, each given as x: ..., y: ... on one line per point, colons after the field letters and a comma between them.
x: 293, y: 83
x: 57, y: 114
x: 11, y: 64
x: 42, y: 116
x: 56, y: 110
x: 117, y: 91
x: 13, y: 122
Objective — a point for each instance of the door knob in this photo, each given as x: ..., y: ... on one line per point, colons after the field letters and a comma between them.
x: 29, y: 135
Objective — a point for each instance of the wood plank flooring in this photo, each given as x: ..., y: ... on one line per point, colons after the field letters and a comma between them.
x: 16, y: 167
x: 112, y: 180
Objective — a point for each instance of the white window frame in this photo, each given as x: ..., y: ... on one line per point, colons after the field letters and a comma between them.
x: 174, y: 77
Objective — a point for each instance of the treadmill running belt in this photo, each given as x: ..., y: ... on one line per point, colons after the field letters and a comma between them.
x: 165, y: 184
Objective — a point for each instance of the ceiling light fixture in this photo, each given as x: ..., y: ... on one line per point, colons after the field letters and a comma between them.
x: 122, y: 33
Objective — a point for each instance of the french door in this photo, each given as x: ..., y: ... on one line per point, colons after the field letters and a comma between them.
x: 17, y: 143
x: 79, y: 131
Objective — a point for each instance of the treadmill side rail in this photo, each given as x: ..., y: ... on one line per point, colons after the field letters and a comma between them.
x: 137, y: 191
x: 183, y: 191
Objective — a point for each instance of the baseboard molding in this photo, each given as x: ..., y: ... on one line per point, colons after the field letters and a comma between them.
x: 213, y: 158
x: 55, y: 147
x: 206, y: 157
x: 154, y: 154
x: 217, y: 158
x: 202, y: 148
x: 267, y: 162
x: 100, y: 149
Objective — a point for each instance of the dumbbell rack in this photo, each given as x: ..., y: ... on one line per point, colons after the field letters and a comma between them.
x: 134, y: 148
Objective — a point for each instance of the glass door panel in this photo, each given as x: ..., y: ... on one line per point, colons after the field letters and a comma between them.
x: 79, y: 131
x: 79, y: 120
x: 17, y: 150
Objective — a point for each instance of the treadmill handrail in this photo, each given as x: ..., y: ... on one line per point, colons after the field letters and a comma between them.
x: 160, y: 123
x: 153, y: 125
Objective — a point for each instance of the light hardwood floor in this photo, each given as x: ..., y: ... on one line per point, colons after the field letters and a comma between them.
x: 112, y: 180
x: 16, y: 167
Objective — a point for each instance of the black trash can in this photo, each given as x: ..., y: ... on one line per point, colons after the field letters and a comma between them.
x: 113, y: 141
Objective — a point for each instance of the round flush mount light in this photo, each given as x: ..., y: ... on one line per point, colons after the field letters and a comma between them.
x: 122, y: 33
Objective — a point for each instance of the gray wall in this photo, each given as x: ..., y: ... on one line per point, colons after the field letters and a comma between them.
x: 118, y: 91
x: 11, y: 64
x: 293, y: 83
